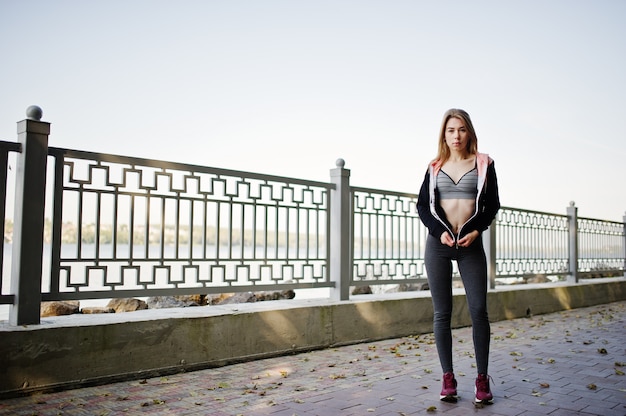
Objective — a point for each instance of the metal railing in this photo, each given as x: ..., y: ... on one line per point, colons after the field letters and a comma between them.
x: 601, y: 249
x: 109, y: 226
x: 388, y: 238
x: 138, y: 225
x: 531, y: 243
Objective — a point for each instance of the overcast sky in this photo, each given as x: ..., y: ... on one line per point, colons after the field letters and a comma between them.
x: 287, y: 87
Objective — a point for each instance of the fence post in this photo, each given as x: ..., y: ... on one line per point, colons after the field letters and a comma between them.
x: 624, y: 253
x: 489, y: 245
x: 340, y: 232
x: 28, y: 221
x: 572, y: 220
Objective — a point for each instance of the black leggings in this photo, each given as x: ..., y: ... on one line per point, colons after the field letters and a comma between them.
x: 473, y: 268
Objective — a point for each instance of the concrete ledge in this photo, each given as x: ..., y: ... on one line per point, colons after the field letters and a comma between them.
x: 80, y: 350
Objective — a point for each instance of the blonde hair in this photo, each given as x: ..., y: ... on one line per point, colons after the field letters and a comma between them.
x: 472, y: 143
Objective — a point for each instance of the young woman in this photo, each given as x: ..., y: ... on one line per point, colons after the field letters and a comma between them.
x: 458, y: 200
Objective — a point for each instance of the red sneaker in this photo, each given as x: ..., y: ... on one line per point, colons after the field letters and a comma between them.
x: 482, y: 390
x: 448, y: 391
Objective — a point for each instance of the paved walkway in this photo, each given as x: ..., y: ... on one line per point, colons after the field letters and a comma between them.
x: 568, y: 363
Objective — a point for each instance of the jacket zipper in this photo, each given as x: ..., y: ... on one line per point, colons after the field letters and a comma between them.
x: 458, y: 236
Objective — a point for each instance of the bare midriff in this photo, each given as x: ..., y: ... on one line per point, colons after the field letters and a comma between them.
x: 458, y: 211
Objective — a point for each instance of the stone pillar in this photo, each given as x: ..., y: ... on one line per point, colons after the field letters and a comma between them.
x: 340, y: 269
x: 30, y: 195
x: 572, y: 220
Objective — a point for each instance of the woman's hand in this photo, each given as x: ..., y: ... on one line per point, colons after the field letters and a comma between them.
x: 467, y: 240
x: 447, y: 239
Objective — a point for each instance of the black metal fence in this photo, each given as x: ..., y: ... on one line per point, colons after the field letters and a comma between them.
x: 97, y: 226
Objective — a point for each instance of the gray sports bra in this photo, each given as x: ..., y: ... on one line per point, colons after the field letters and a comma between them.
x: 466, y: 188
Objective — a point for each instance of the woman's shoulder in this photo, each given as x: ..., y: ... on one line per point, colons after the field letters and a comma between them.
x: 435, y: 163
x: 484, y: 158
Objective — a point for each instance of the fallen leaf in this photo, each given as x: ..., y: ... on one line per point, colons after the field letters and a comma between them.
x: 431, y: 409
x: 592, y: 386
x: 544, y: 385
x: 602, y: 351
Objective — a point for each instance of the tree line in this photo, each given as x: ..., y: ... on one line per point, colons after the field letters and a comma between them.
x: 157, y: 234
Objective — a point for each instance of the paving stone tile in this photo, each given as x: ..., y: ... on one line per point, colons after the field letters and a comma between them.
x: 558, y: 364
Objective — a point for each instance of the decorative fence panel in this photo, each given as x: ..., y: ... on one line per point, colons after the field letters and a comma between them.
x: 530, y: 243
x: 601, y: 249
x: 133, y: 226
x: 388, y: 238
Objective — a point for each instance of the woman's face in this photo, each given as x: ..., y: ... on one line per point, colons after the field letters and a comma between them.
x: 456, y: 135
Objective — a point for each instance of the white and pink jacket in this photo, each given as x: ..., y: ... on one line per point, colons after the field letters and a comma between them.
x: 487, y: 201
